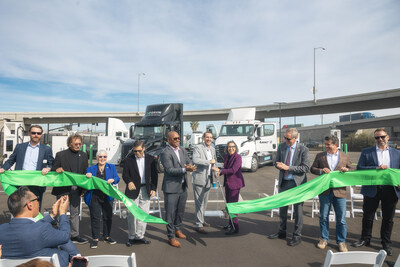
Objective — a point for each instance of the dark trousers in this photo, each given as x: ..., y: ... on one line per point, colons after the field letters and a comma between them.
x: 174, y: 209
x: 298, y: 211
x: 388, y: 198
x: 232, y: 195
x: 100, y: 205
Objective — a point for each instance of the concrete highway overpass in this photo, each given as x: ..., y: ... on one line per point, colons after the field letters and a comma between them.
x: 351, y: 103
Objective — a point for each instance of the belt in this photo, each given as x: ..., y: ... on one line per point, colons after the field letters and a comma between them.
x: 142, y: 185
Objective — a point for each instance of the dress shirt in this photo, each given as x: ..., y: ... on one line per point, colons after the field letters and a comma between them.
x: 209, y: 158
x: 293, y: 149
x: 383, y: 156
x: 176, y: 151
x: 31, y: 157
x: 333, y: 160
x: 140, y: 164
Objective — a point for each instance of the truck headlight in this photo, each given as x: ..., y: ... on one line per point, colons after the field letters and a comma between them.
x: 245, y: 153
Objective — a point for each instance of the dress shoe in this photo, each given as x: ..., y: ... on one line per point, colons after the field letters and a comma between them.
x: 295, y: 241
x: 342, y: 247
x: 228, y: 226
x: 137, y: 241
x: 79, y: 240
x: 389, y: 251
x: 232, y: 231
x: 279, y: 235
x: 322, y: 244
x: 179, y: 234
x: 175, y: 243
x: 206, y: 224
x: 201, y: 230
x: 361, y: 243
x: 94, y: 244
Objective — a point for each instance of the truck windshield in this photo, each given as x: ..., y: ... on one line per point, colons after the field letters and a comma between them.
x: 147, y: 131
x: 237, y: 130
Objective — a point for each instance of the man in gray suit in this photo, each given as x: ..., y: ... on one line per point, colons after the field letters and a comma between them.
x: 293, y: 164
x: 176, y: 165
x: 203, y: 157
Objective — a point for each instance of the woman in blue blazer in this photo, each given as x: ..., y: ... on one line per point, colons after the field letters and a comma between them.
x: 99, y: 202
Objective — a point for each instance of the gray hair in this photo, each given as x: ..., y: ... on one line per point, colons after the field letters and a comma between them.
x: 333, y: 139
x: 101, y: 151
x: 293, y: 132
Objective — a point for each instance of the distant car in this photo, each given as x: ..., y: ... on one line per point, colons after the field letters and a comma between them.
x: 392, y: 144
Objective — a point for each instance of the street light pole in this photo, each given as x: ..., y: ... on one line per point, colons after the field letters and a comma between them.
x: 280, y: 118
x: 138, y: 89
x: 314, y: 91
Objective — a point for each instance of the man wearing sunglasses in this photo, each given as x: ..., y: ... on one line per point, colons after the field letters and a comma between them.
x: 23, y: 237
x: 379, y: 157
x: 32, y: 156
x: 293, y: 164
x: 176, y: 164
x: 141, y: 178
x: 76, y: 161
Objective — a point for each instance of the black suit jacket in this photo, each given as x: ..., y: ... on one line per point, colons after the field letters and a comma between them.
x: 131, y: 174
x: 63, y: 159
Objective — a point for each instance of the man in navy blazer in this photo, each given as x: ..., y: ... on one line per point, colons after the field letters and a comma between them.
x: 380, y: 156
x: 23, y: 237
x: 32, y: 156
x: 293, y: 164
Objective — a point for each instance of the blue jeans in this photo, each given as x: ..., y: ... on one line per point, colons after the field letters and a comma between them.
x: 339, y: 205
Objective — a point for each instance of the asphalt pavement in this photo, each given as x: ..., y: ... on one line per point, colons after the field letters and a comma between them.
x: 250, y: 247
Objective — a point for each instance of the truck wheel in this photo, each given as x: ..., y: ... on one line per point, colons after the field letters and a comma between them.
x: 160, y: 167
x: 254, y: 163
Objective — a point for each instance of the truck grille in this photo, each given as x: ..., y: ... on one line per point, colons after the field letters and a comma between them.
x: 220, y: 151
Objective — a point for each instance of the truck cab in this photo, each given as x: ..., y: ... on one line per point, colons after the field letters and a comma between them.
x: 256, y: 141
x: 153, y: 129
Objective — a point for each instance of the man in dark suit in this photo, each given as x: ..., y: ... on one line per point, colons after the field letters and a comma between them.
x: 380, y: 157
x: 23, y: 237
x: 176, y: 165
x: 141, y: 177
x: 292, y: 162
x: 325, y: 162
x: 72, y: 160
x: 32, y: 156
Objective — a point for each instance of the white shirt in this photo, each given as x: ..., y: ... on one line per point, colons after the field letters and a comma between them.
x: 209, y: 157
x: 383, y: 156
x: 140, y: 164
x: 333, y: 160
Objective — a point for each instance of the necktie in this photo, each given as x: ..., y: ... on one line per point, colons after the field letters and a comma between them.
x: 287, y: 161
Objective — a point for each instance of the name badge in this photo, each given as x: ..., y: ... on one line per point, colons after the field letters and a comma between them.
x: 45, y: 161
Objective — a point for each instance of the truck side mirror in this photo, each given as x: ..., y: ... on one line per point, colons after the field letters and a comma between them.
x: 5, y: 156
x: 250, y: 138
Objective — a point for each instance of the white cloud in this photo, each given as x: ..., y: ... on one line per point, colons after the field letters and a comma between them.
x: 203, y: 53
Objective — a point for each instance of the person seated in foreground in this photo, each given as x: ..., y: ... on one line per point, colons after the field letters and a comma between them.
x: 24, y: 237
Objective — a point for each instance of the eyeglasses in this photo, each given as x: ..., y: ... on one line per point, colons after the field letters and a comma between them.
x: 176, y: 138
x: 288, y: 138
x: 231, y: 147
x: 382, y: 137
x: 36, y: 133
x: 137, y: 151
x: 35, y: 199
x: 102, y: 157
x: 76, y: 144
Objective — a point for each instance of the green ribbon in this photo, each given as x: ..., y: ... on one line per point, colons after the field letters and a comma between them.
x: 315, y: 187
x: 10, y: 179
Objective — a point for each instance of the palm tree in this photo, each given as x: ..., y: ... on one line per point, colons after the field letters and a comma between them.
x: 194, y: 125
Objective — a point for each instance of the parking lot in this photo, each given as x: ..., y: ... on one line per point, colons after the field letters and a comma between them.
x: 250, y: 247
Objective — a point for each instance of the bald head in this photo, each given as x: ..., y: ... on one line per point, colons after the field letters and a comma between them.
x: 174, y: 139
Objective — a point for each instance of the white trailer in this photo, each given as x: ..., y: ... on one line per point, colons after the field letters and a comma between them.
x: 256, y: 140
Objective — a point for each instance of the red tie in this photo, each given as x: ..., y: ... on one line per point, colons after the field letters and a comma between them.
x: 287, y: 161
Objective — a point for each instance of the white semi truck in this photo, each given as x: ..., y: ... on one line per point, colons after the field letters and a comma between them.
x: 256, y: 140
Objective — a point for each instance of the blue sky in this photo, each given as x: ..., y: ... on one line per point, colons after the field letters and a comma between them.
x: 86, y: 55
